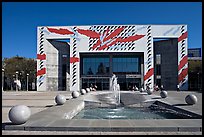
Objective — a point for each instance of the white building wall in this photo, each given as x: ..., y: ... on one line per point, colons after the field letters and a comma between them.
x: 41, y: 59
x: 83, y: 39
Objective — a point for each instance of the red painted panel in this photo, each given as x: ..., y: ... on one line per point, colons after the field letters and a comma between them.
x: 41, y: 72
x: 149, y: 74
x: 128, y: 39
x: 60, y: 31
x: 132, y: 38
x: 89, y: 33
x: 183, y: 62
x: 185, y: 35
x: 183, y: 74
x: 112, y: 43
x: 74, y: 59
x: 97, y: 44
x: 115, y: 33
x: 41, y: 56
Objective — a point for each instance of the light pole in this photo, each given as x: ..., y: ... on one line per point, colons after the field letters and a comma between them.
x: 16, y: 81
x: 2, y: 80
x: 27, y: 81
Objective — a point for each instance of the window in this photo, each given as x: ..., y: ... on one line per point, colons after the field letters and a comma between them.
x: 95, y: 65
x: 158, y: 58
x: 158, y: 69
x: 126, y: 65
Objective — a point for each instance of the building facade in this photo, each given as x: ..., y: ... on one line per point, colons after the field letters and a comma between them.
x: 194, y: 52
x: 195, y: 69
x: 75, y: 57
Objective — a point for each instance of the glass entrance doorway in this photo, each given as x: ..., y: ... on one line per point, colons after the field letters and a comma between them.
x: 129, y: 83
x: 101, y: 83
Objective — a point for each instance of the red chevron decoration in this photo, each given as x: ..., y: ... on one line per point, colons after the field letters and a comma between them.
x: 41, y: 56
x: 183, y: 62
x: 109, y: 40
x: 41, y: 72
x: 89, y: 33
x: 183, y: 36
x: 149, y: 74
x: 60, y: 31
x: 74, y: 59
x: 183, y: 74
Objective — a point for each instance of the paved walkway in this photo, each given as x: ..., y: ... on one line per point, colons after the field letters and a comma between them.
x: 17, y: 132
x: 39, y: 101
x: 36, y: 101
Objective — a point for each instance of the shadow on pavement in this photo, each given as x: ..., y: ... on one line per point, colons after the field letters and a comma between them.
x: 5, y: 124
x: 156, y: 98
x: 181, y: 105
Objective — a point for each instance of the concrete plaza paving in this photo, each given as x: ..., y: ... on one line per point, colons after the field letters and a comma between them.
x: 44, y: 115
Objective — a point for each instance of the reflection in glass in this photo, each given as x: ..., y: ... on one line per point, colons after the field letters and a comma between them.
x: 126, y: 65
x: 96, y: 65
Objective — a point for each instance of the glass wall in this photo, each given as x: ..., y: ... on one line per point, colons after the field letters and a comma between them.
x: 96, y: 65
x: 126, y: 65
x: 101, y: 83
x: 97, y: 69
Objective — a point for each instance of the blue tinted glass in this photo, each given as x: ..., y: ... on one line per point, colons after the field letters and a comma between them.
x: 115, y: 60
x: 129, y: 60
x: 132, y: 59
x: 129, y: 67
x: 122, y: 60
x: 106, y: 59
x: 137, y: 66
x: 85, y: 60
x: 96, y: 65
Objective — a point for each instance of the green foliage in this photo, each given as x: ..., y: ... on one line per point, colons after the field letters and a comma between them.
x: 195, y: 66
x: 22, y: 65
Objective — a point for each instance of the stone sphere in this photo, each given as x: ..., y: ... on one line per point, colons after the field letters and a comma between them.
x: 83, y: 91
x: 19, y: 114
x: 150, y: 91
x: 163, y: 94
x: 60, y: 99
x: 141, y: 89
x: 88, y: 90
x: 191, y: 99
x: 75, y: 94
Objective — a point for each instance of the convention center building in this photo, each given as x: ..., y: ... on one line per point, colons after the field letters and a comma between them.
x: 70, y: 58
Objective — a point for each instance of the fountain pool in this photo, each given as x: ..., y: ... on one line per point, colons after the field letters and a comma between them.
x: 151, y: 112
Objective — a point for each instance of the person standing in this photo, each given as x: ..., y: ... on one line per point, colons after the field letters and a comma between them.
x: 162, y: 88
x: 178, y: 88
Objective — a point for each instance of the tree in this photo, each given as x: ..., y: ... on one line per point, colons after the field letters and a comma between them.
x: 23, y: 66
x: 195, y: 74
x: 195, y: 66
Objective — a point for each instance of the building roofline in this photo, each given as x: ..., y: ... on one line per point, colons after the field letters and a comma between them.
x: 117, y: 25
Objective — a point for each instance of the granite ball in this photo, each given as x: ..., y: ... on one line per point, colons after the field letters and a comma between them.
x: 191, y: 99
x: 150, y: 91
x: 19, y: 114
x: 141, y: 89
x: 163, y: 94
x: 88, y: 90
x: 75, y: 94
x: 83, y: 91
x: 60, y: 99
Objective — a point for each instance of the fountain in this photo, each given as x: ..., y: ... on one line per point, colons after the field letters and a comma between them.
x: 115, y: 87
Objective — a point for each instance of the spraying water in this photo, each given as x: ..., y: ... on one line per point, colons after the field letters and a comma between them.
x: 115, y: 87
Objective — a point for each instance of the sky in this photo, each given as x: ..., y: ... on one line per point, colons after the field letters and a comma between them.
x: 20, y: 19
